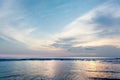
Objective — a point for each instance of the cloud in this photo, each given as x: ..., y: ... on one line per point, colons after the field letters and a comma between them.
x: 12, y: 34
x: 14, y: 27
x: 94, y: 31
x: 99, y: 27
x: 101, y: 51
x: 64, y: 43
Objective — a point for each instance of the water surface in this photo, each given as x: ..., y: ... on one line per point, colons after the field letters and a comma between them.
x: 83, y: 69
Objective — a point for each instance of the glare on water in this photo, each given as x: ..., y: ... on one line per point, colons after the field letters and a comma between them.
x: 59, y: 70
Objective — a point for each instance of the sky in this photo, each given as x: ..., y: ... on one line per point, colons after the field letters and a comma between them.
x: 59, y: 28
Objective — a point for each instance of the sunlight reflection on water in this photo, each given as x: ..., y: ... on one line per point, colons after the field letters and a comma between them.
x: 58, y: 70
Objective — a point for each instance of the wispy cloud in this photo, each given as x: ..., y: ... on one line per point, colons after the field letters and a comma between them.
x: 14, y: 27
x: 99, y: 27
x: 95, y: 29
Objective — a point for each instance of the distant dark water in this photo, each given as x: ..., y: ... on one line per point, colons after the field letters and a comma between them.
x: 61, y: 69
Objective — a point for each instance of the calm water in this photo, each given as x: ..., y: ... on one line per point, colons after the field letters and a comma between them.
x: 60, y: 70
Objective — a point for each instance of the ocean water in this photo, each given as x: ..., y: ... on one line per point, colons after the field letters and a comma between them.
x: 82, y: 69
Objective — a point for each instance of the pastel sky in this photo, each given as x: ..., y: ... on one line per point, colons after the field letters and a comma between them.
x: 59, y: 28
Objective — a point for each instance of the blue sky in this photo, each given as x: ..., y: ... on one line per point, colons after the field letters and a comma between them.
x: 59, y: 28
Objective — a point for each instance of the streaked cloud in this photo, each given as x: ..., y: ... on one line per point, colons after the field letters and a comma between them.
x: 15, y: 28
x: 99, y: 27
x: 93, y: 33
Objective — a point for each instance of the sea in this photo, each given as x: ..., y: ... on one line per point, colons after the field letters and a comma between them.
x: 97, y: 68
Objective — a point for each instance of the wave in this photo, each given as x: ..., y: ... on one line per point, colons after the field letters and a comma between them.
x: 82, y: 59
